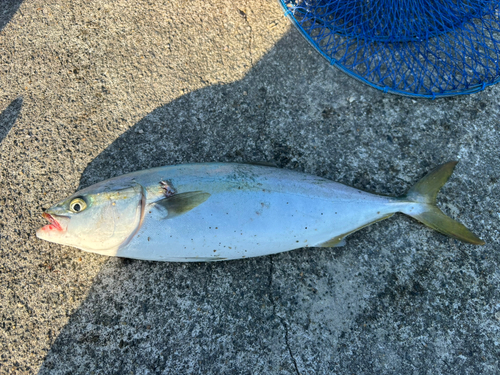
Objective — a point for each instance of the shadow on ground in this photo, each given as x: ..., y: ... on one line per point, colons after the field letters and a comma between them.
x: 9, y: 116
x: 7, y: 10
x: 375, y: 306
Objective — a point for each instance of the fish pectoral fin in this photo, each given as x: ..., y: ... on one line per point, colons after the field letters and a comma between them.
x: 339, y: 241
x: 179, y: 204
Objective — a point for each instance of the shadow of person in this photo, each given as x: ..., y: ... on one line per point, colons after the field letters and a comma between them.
x: 266, y: 116
x: 9, y: 116
x: 147, y: 317
x: 7, y: 10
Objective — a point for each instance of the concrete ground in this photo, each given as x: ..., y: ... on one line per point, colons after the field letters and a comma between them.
x: 91, y: 89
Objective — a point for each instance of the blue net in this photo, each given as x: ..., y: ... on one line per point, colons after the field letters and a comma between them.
x: 425, y: 48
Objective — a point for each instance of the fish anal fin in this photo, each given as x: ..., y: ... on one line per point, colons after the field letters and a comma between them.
x: 336, y: 241
x: 198, y: 259
x: 339, y: 240
x: 179, y: 204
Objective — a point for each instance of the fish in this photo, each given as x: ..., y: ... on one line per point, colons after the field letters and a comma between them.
x: 205, y: 212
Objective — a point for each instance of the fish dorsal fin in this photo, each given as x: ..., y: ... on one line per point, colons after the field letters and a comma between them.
x: 179, y: 204
x: 339, y: 240
x: 262, y: 163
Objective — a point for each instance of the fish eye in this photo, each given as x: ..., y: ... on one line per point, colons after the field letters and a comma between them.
x: 77, y: 205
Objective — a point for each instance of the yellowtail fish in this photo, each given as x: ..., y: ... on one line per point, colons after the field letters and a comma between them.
x: 221, y: 211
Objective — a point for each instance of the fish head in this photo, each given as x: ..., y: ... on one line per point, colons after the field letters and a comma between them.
x: 99, y: 219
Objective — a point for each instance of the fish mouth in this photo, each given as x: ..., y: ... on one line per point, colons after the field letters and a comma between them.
x: 58, y: 224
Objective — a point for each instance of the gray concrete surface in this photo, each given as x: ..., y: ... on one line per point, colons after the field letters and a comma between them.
x: 7, y: 9
x: 94, y: 89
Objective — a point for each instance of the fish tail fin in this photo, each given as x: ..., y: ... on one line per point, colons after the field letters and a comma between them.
x: 424, y: 192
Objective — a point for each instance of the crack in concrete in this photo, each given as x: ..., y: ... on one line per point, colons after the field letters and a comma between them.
x: 288, y: 345
x: 282, y: 320
x: 250, y: 41
x: 245, y: 17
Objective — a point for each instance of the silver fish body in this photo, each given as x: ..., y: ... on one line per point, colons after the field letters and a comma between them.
x: 222, y: 211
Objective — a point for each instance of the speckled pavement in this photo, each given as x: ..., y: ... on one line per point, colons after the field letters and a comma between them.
x: 91, y: 89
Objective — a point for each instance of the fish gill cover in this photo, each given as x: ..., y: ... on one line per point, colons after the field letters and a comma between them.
x: 426, y: 48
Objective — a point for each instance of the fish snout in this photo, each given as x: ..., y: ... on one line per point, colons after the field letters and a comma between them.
x: 58, y: 225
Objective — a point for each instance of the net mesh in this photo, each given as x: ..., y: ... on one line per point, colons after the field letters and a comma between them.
x: 424, y: 48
